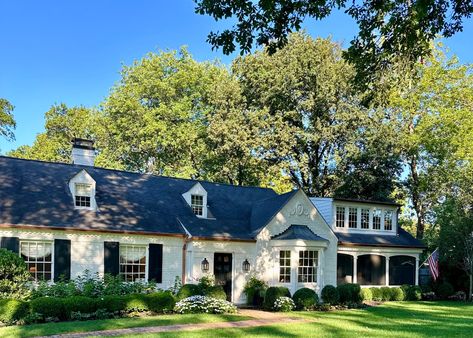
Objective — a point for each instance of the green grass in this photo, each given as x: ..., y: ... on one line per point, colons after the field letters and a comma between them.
x: 394, y: 319
x: 108, y: 324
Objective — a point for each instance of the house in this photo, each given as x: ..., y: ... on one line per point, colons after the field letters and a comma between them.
x: 64, y: 219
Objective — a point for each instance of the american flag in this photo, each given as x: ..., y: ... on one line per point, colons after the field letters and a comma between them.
x: 433, y: 261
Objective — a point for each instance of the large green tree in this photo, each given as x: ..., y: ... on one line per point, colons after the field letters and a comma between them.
x: 7, y: 122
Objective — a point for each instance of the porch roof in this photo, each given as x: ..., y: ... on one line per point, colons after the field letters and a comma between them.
x: 301, y: 232
x: 403, y: 239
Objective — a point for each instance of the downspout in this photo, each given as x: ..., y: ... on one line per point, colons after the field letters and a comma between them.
x: 187, y: 239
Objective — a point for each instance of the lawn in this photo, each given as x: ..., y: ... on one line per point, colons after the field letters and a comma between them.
x: 108, y: 324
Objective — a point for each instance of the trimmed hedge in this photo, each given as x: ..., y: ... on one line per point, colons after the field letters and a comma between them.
x: 49, y: 307
x: 376, y: 293
x: 330, y: 295
x: 366, y: 294
x: 349, y: 293
x: 12, y: 310
x: 305, y: 299
x: 445, y: 290
x: 273, y: 293
x: 216, y: 292
x: 161, y: 302
x: 80, y: 304
x: 189, y: 290
x: 412, y: 292
x: 397, y: 294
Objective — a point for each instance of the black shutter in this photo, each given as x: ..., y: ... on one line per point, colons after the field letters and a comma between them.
x: 62, y: 259
x: 155, y: 265
x: 111, y: 256
x: 10, y: 243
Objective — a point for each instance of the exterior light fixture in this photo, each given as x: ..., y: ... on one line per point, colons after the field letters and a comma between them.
x: 205, y: 265
x: 246, y: 265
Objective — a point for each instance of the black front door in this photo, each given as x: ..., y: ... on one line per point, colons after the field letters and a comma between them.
x: 223, y: 272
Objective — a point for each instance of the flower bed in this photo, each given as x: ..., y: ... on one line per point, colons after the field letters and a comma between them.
x: 203, y: 304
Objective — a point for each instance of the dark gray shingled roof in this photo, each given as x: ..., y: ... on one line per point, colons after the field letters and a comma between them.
x: 296, y: 231
x: 36, y: 193
x: 402, y: 239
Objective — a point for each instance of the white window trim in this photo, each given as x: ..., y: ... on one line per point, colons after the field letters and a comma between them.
x: 83, y: 177
x: 290, y: 267
x: 383, y: 209
x: 52, y: 255
x: 146, y: 246
x: 317, y: 270
x: 197, y: 189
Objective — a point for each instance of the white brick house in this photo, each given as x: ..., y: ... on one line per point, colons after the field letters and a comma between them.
x: 64, y: 219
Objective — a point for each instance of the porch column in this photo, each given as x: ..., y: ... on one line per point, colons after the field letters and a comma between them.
x: 387, y: 270
x: 355, y: 269
x: 417, y: 271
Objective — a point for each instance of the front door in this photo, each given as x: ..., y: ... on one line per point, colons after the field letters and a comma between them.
x: 223, y: 272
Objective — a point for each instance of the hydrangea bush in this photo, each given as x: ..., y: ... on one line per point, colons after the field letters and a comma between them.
x: 284, y: 304
x: 203, y: 304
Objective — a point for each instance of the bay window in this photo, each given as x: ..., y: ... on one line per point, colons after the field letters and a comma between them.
x: 307, y: 269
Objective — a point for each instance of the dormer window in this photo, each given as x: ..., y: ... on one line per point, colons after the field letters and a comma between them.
x: 83, y: 195
x: 197, y: 204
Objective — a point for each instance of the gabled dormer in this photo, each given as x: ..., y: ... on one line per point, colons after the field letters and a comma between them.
x: 82, y: 187
x: 196, y: 198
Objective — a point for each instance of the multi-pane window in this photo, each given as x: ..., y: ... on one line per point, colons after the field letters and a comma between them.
x: 83, y: 193
x: 377, y: 219
x: 197, y: 204
x: 352, y: 217
x: 388, y: 220
x: 307, y: 269
x: 365, y: 218
x: 38, y: 258
x: 284, y: 266
x: 133, y: 262
x: 340, y: 220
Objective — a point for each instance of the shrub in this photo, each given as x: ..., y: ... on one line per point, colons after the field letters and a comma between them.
x: 385, y: 293
x: 330, y: 295
x: 112, y: 303
x: 305, y: 299
x: 376, y: 294
x: 136, y: 302
x: 203, y: 304
x: 255, y: 290
x: 366, y: 294
x: 216, y: 292
x: 273, y: 293
x: 206, y: 282
x: 79, y: 304
x: 412, y: 292
x: 445, y: 290
x: 189, y: 290
x: 14, y: 276
x: 349, y: 293
x: 160, y: 302
x: 49, y: 307
x: 397, y: 294
x: 61, y: 288
x: 12, y: 310
x: 283, y: 304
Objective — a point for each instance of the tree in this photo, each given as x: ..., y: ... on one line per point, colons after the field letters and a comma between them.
x: 7, y: 122
x: 387, y: 29
x: 14, y: 276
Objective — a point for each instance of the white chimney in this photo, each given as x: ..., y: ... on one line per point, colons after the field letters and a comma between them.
x: 83, y: 152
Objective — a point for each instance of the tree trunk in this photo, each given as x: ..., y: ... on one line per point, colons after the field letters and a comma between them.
x: 416, y: 199
x: 470, y: 297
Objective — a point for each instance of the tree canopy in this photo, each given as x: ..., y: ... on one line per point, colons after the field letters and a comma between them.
x: 7, y: 122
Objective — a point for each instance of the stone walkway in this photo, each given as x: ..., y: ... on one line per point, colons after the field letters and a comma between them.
x: 260, y: 318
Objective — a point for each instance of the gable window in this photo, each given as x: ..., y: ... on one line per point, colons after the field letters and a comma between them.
x: 340, y: 220
x: 352, y: 217
x: 377, y: 219
x: 365, y: 218
x: 388, y: 220
x: 83, y: 194
x: 307, y: 269
x: 38, y: 258
x: 284, y: 266
x: 197, y: 204
x: 133, y: 262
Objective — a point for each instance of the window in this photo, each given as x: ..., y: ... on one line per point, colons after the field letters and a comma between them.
x: 365, y: 218
x: 285, y: 266
x: 307, y: 270
x: 197, y: 204
x: 377, y: 219
x: 340, y: 221
x: 133, y: 262
x: 388, y: 220
x: 38, y: 258
x: 352, y: 217
x: 83, y: 192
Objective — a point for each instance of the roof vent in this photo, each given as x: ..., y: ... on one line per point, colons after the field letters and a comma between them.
x: 83, y: 152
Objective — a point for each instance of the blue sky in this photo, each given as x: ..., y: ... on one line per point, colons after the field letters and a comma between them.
x: 72, y: 51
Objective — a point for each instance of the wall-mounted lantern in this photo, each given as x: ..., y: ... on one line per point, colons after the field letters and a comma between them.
x: 205, y: 265
x: 246, y: 265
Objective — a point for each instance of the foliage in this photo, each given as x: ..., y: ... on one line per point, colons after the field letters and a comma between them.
x: 189, y: 290
x: 79, y: 304
x: 444, y: 290
x: 255, y: 290
x: 49, y: 307
x: 14, y: 276
x: 273, y: 293
x: 412, y: 292
x: 366, y: 294
x: 284, y: 304
x: 12, y: 310
x: 349, y: 293
x: 376, y: 294
x: 385, y: 293
x: 206, y: 282
x: 397, y: 294
x: 216, y: 292
x: 330, y: 295
x: 305, y: 299
x: 7, y: 122
x: 203, y: 304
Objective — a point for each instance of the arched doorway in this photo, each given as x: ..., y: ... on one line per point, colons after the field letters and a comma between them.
x: 371, y: 270
x: 402, y: 270
x: 344, y: 269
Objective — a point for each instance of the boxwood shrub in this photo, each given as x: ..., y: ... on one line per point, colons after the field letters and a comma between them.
x: 161, y: 302
x: 330, y: 295
x: 216, y: 292
x: 385, y: 293
x: 49, y: 307
x: 12, y: 310
x: 112, y: 304
x: 189, y: 290
x: 305, y: 299
x: 349, y: 293
x: 273, y: 293
x: 80, y: 304
x: 366, y: 294
x: 412, y: 292
x: 376, y: 294
x: 445, y: 290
